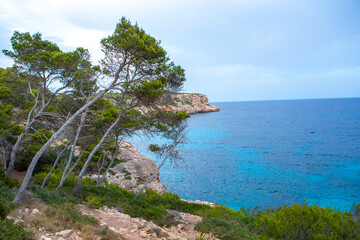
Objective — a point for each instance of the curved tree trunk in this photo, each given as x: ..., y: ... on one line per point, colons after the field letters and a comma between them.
x: 93, y: 152
x: 53, y: 167
x: 65, y: 173
x: 101, y: 179
x: 180, y: 138
x: 3, y: 155
x: 37, y: 156
x: 152, y: 177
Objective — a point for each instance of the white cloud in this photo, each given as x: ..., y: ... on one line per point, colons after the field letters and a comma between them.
x: 241, y: 72
x: 340, y: 73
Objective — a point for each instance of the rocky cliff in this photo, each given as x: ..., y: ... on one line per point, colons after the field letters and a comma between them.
x: 189, y: 102
x: 134, y: 170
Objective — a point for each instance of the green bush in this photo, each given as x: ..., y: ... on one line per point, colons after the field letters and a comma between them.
x: 55, y: 177
x: 223, y: 229
x: 355, y: 211
x: 3, y: 210
x: 5, y: 180
x: 306, y: 222
x: 114, y: 196
x: 172, y: 201
x: 54, y: 197
x: 11, y: 231
x: 93, y: 202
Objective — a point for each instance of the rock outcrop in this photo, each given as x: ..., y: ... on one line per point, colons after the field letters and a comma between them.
x: 189, y: 102
x: 134, y: 170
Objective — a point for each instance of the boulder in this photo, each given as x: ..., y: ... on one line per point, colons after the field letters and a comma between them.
x: 134, y: 170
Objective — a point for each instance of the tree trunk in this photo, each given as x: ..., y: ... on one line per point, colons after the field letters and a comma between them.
x: 151, y: 178
x: 101, y: 179
x: 100, y: 167
x: 82, y: 121
x: 53, y: 167
x: 35, y: 159
x: 83, y: 170
x: 4, y: 155
x: 156, y: 172
x: 30, y: 121
x: 16, y: 149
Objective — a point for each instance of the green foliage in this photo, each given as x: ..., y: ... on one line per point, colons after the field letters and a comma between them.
x: 127, y: 174
x: 6, y: 193
x: 54, y: 197
x: 116, y: 162
x: 172, y: 201
x: 148, y: 91
x: 93, y: 202
x: 3, y: 210
x: 306, y: 222
x: 11, y: 231
x: 355, y: 211
x: 133, y: 40
x: 12, y: 88
x: 188, y: 103
x: 5, y: 180
x: 154, y: 147
x: 38, y: 57
x: 55, y: 177
x: 36, y: 141
x: 8, y: 129
x: 289, y: 222
x: 223, y: 229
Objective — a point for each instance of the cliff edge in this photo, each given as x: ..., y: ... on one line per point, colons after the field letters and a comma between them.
x: 134, y: 170
x: 189, y: 102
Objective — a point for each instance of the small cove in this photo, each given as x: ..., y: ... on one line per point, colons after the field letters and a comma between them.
x: 270, y: 153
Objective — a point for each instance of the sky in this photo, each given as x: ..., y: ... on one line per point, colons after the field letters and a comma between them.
x: 231, y: 50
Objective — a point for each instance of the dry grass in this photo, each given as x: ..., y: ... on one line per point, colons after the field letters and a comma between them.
x: 53, y: 219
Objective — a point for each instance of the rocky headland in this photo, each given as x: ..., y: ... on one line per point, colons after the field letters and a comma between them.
x: 189, y: 102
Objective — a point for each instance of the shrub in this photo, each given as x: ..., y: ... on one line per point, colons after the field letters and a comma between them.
x: 3, y: 210
x: 54, y: 197
x: 306, y: 222
x: 172, y: 201
x: 11, y: 231
x: 55, y: 177
x: 223, y: 229
x: 6, y: 180
x: 93, y: 202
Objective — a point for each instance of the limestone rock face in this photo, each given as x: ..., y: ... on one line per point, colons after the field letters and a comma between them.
x: 135, y: 170
x: 191, y: 103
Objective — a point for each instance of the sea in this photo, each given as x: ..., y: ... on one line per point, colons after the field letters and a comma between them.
x: 269, y: 154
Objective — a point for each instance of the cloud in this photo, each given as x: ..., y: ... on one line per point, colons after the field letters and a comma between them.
x: 340, y: 73
x: 241, y: 72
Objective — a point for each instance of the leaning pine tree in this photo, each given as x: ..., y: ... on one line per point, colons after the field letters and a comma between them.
x: 135, y: 65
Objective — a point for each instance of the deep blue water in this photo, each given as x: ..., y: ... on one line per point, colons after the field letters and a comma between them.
x: 271, y: 153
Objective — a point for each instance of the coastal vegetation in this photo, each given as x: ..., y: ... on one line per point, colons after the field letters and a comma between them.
x: 298, y: 221
x: 62, y: 118
x: 50, y: 95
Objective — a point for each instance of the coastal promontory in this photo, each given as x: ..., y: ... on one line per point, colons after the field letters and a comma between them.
x: 189, y: 102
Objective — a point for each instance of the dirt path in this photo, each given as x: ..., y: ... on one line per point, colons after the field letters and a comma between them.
x: 137, y: 228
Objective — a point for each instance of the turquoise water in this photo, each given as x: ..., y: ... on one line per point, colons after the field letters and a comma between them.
x: 270, y: 153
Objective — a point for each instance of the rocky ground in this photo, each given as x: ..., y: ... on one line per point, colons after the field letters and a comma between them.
x: 120, y: 223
